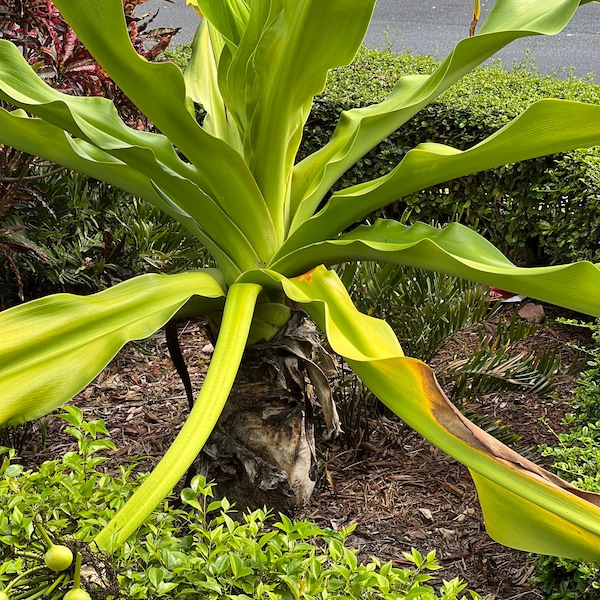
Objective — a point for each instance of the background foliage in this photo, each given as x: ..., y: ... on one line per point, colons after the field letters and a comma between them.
x: 60, y: 231
x: 520, y: 208
x: 576, y: 458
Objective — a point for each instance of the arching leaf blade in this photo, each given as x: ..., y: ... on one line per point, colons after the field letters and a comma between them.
x: 218, y: 173
x: 223, y: 368
x: 40, y: 138
x: 546, y: 127
x: 361, y: 129
x: 459, y: 251
x: 95, y: 121
x: 524, y: 506
x: 550, y: 535
x: 53, y: 347
x: 408, y: 387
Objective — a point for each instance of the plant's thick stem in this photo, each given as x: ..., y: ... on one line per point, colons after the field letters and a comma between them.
x: 237, y: 318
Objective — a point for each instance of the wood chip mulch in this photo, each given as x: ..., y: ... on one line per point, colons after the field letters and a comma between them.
x: 398, y: 489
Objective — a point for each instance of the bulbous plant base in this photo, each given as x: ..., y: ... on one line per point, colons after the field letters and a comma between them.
x: 262, y: 453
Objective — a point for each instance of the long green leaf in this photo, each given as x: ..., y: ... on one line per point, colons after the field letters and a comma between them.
x: 53, y: 347
x: 229, y: 17
x: 269, y: 81
x: 40, y: 138
x: 524, y: 506
x: 201, y: 84
x: 361, y: 129
x: 546, y: 127
x: 455, y: 250
x: 96, y: 121
x: 158, y: 89
x: 233, y: 335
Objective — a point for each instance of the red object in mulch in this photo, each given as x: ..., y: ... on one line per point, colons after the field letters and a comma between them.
x: 503, y: 295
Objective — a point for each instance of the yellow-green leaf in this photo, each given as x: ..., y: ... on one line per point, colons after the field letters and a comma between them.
x: 51, y: 348
x: 524, y: 506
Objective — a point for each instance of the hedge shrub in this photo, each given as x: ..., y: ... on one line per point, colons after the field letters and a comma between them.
x: 522, y: 208
x: 576, y: 458
x: 89, y: 236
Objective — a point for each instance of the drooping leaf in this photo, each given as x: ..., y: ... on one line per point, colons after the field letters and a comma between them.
x: 524, y: 506
x: 51, y: 348
x: 548, y: 126
x: 40, y: 138
x: 96, y: 121
x: 361, y: 129
x: 225, y: 361
x: 459, y: 251
x: 158, y: 89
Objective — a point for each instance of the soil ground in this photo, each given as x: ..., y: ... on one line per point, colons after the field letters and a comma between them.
x: 398, y: 489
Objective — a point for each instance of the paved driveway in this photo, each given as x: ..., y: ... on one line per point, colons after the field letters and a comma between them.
x: 434, y: 27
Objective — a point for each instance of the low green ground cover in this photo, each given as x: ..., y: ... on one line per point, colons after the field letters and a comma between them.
x: 191, y: 546
x: 576, y: 458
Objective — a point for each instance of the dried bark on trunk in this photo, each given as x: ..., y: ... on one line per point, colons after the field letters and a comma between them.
x: 262, y: 452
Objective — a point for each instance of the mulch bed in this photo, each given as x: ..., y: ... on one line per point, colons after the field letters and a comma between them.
x: 398, y: 489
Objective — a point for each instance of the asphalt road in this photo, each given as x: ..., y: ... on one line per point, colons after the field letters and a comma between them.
x: 435, y: 26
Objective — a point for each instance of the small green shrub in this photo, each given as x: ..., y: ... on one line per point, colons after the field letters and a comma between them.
x: 90, y: 236
x: 180, y: 54
x: 186, y: 549
x: 576, y: 458
x: 521, y: 208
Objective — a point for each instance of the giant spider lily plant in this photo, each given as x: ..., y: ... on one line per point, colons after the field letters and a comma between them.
x: 274, y: 231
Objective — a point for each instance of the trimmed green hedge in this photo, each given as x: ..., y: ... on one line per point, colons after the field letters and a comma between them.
x: 540, y: 211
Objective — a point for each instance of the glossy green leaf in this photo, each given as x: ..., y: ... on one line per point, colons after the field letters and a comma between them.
x: 95, y: 121
x: 202, y: 86
x: 38, y: 137
x: 361, y: 129
x: 41, y: 138
x: 233, y: 335
x: 51, y: 348
x: 268, y: 81
x: 229, y: 17
x: 524, y: 506
x: 548, y: 126
x: 456, y: 250
x: 158, y: 89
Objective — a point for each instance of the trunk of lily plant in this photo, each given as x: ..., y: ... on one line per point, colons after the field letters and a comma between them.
x: 262, y: 452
